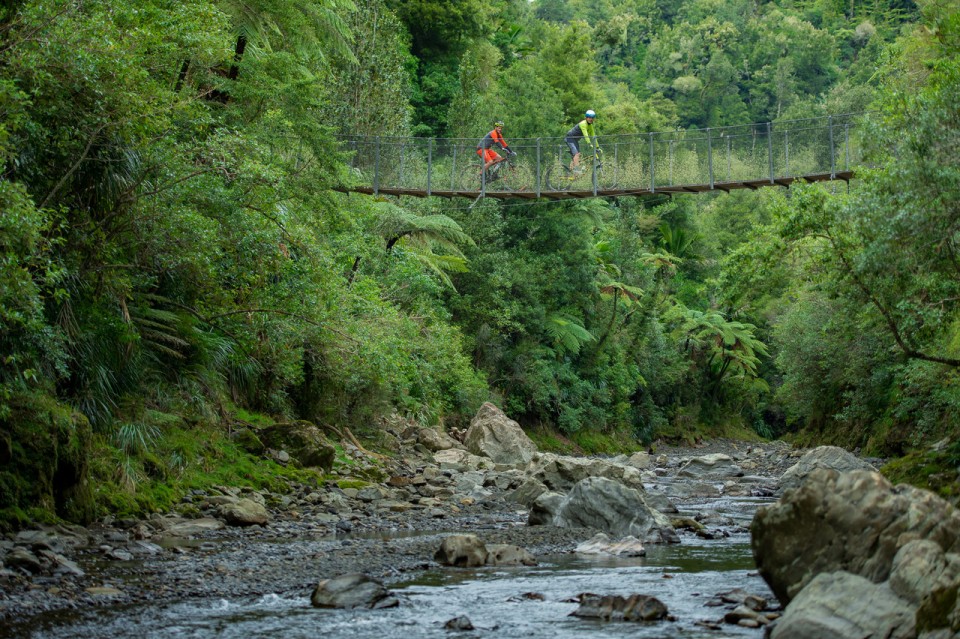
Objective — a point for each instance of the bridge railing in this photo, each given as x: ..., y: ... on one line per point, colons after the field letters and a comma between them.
x: 711, y: 158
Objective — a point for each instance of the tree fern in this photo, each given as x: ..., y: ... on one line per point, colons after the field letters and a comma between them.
x: 677, y: 241
x: 567, y: 333
x: 726, y: 347
x: 421, y: 234
x: 312, y: 27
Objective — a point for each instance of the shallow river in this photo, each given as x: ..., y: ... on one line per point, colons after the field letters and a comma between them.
x: 685, y: 577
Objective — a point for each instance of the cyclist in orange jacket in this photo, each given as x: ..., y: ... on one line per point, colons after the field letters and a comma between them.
x: 484, y: 150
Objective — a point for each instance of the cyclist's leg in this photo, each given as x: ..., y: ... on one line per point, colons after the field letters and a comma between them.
x: 574, y: 147
x: 490, y: 158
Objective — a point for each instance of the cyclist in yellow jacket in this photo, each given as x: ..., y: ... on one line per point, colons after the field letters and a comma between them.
x: 584, y: 130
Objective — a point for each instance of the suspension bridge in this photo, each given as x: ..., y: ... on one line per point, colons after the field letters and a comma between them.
x: 749, y: 156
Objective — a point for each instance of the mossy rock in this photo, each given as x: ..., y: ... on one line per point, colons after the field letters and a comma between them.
x: 304, y: 441
x: 938, y: 609
x: 248, y: 440
x: 45, y: 451
x: 352, y: 483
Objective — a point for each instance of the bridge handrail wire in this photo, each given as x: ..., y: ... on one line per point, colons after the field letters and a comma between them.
x: 772, y: 152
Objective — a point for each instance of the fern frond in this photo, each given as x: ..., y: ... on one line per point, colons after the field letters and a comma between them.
x: 567, y: 332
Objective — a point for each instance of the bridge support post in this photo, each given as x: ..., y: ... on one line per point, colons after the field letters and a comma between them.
x: 429, y: 164
x: 538, y: 167
x: 729, y: 161
x: 770, y: 149
x: 710, y: 157
x: 483, y: 177
x: 376, y: 168
x: 653, y: 180
x: 846, y: 142
x: 833, y: 162
x: 453, y: 171
x: 670, y: 162
x: 786, y: 151
x: 595, y: 163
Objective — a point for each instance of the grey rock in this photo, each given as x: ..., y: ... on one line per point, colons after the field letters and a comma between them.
x: 611, y: 507
x: 459, y: 623
x: 831, y: 457
x: 840, y: 605
x: 24, y: 559
x: 463, y: 551
x: 492, y: 434
x: 509, y: 555
x: 714, y: 466
x: 920, y: 567
x: 636, y: 607
x: 854, y: 521
x: 434, y: 440
x: 245, y: 512
x: 352, y: 591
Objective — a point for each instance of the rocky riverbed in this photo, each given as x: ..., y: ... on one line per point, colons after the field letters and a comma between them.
x: 829, y: 535
x: 239, y: 542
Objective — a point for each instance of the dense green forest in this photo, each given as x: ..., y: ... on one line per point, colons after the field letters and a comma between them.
x: 174, y: 262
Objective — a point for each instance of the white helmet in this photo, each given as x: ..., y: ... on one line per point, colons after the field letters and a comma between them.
x: 590, y: 113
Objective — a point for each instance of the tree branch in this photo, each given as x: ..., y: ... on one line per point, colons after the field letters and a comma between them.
x: 73, y: 169
x: 908, y: 350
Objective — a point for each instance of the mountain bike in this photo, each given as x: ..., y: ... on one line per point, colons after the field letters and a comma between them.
x: 560, y: 177
x: 507, y: 175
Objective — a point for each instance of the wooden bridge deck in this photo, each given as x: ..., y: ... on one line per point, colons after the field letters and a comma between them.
x: 617, y: 192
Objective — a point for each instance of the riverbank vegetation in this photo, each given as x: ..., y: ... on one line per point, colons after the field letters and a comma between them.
x: 174, y: 263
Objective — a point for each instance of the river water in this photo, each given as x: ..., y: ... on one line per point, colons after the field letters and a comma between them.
x: 531, y: 602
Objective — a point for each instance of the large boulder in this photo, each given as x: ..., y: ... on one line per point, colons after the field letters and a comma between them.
x: 469, y: 551
x: 610, y: 507
x: 303, y: 441
x: 560, y: 473
x: 494, y: 435
x: 463, y: 551
x: 710, y: 467
x: 435, y: 440
x: 460, y: 460
x: 245, y: 512
x: 854, y: 522
x: 636, y: 607
x: 831, y: 457
x: 352, y: 591
x: 840, y: 605
x: 920, y: 568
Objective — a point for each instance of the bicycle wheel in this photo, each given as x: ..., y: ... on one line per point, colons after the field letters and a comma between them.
x: 469, y: 178
x: 607, y: 177
x: 498, y: 177
x: 510, y: 177
x: 559, y: 177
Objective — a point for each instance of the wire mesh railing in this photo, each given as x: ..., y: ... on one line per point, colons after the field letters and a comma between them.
x: 697, y: 159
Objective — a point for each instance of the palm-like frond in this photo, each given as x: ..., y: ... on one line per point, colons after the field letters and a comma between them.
x: 421, y: 234
x: 397, y: 223
x: 441, y: 265
x: 567, y: 333
x: 661, y: 261
x: 677, y: 241
x: 630, y: 293
x: 727, y: 345
x: 159, y: 331
x: 605, y: 257
x: 312, y: 27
